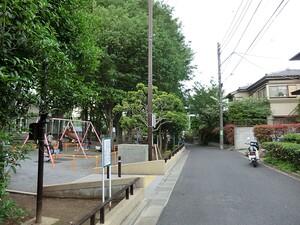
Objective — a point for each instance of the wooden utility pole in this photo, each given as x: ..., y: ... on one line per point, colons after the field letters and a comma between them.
x: 220, y: 99
x: 150, y: 89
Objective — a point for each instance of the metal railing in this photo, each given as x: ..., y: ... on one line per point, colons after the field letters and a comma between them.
x: 92, y: 215
x: 173, y: 153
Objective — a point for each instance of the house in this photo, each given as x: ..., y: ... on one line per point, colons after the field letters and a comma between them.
x: 279, y: 88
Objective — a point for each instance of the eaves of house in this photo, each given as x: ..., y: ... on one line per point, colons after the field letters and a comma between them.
x: 295, y: 57
x: 288, y: 74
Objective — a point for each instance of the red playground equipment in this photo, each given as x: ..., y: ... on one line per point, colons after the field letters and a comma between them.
x: 70, y: 131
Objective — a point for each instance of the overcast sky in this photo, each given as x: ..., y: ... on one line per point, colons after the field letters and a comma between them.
x: 264, y: 42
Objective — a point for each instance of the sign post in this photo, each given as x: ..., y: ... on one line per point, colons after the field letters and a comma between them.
x: 106, y: 161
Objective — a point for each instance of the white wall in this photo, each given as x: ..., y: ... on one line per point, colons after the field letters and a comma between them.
x: 241, y: 135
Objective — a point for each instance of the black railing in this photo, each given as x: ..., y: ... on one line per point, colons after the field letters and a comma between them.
x: 92, y: 215
x: 173, y: 152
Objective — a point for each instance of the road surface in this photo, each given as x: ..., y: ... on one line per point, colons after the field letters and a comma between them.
x: 219, y: 187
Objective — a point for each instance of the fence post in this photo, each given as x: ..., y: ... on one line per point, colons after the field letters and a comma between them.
x: 119, y: 166
x: 102, y: 216
x: 127, y: 193
x: 131, y: 189
x: 107, y: 173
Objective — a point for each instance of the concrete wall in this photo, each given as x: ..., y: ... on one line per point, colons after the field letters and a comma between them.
x: 156, y: 167
x: 241, y: 135
x: 132, y: 153
x: 91, y: 189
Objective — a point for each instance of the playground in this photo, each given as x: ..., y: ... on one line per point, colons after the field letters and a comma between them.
x: 72, y: 139
x: 65, y: 170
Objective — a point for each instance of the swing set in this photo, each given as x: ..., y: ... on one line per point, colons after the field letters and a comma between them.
x: 70, y: 131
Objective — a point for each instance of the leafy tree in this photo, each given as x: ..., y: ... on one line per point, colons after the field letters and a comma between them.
x: 167, y: 108
x: 46, y: 54
x: 249, y: 111
x: 204, y: 104
x: 123, y: 37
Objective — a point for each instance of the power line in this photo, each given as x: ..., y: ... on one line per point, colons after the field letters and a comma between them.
x: 258, y: 34
x: 237, y: 24
x: 225, y: 36
x: 270, y: 24
x: 253, y: 14
x: 248, y: 25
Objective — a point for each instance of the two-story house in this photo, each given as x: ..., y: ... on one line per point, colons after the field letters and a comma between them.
x: 279, y: 88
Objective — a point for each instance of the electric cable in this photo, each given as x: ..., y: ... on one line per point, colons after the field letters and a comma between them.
x: 225, y: 36
x: 269, y: 25
x: 238, y: 23
x: 249, y: 22
x: 258, y: 35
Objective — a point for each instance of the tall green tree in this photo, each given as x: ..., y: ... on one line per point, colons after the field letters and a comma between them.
x: 123, y: 37
x: 204, y: 105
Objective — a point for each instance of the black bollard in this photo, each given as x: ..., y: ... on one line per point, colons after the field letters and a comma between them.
x: 119, y: 166
x: 107, y: 172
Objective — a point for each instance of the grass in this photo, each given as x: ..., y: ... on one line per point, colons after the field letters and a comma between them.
x: 284, y: 166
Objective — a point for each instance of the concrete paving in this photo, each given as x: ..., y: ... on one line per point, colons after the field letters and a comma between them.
x: 76, y: 168
x: 157, y: 196
x: 64, y: 170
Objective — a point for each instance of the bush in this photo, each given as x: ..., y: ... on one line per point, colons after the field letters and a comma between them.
x: 229, y: 133
x: 10, y: 157
x: 263, y: 133
x: 294, y: 138
x: 284, y: 151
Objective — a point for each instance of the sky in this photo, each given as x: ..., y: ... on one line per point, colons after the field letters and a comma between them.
x: 255, y: 39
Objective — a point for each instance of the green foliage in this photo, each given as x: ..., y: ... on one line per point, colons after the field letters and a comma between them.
x: 168, y: 110
x: 263, y: 133
x: 10, y: 157
x: 10, y: 213
x: 281, y: 165
x: 204, y: 104
x: 294, y: 138
x: 249, y: 111
x: 283, y: 151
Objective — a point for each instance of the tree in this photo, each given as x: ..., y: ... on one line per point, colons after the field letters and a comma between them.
x: 123, y: 36
x: 204, y: 104
x: 167, y: 108
x: 249, y: 111
x: 46, y: 52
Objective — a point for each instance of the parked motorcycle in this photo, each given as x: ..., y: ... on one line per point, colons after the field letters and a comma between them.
x: 253, y: 153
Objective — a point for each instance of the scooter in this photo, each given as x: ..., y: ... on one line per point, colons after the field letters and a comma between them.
x: 253, y: 154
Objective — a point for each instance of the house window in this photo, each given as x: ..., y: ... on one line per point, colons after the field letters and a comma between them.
x: 262, y: 93
x: 278, y: 91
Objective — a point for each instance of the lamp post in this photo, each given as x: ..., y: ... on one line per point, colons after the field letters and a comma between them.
x: 150, y: 90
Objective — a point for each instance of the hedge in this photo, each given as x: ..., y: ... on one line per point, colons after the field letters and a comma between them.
x: 272, y: 132
x: 284, y: 151
x: 294, y: 138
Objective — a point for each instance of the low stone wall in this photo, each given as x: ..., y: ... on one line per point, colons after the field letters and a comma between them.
x: 92, y: 189
x: 155, y: 167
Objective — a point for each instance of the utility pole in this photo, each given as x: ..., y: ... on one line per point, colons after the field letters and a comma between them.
x: 220, y: 99
x: 150, y: 89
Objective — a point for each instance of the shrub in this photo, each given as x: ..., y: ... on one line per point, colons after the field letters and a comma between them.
x: 263, y: 133
x: 284, y: 151
x: 294, y: 138
x: 229, y: 133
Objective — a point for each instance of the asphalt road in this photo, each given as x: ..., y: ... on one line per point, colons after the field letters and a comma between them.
x: 219, y: 187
